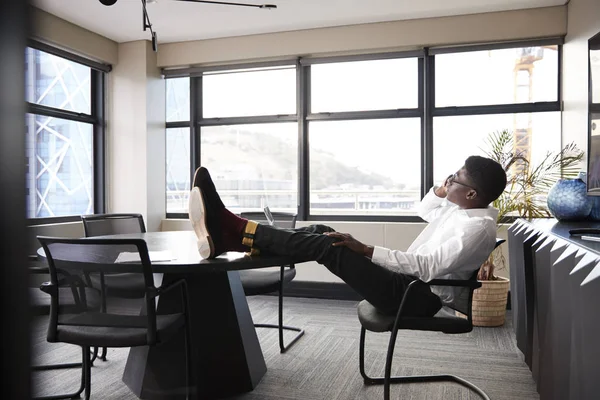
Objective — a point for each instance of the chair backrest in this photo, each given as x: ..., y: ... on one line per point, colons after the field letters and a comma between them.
x: 111, y: 224
x: 282, y: 219
x: 71, y: 260
x: 463, y: 297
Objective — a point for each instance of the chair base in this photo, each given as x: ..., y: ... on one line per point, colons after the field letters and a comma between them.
x: 283, y: 347
x: 425, y: 378
x: 387, y: 380
x: 74, y: 395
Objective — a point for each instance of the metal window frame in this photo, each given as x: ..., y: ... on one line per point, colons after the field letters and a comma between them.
x: 559, y: 40
x: 425, y: 110
x: 514, y: 108
x: 417, y: 112
x: 94, y: 65
x: 200, y: 71
x: 97, y: 118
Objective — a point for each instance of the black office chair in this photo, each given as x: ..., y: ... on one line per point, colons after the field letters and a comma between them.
x: 40, y: 305
x: 121, y: 285
x: 257, y: 282
x: 446, y: 320
x: 68, y: 261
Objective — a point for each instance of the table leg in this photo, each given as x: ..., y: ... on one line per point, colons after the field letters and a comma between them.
x: 226, y: 355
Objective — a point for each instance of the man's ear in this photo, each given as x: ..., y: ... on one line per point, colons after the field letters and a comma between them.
x: 472, y: 195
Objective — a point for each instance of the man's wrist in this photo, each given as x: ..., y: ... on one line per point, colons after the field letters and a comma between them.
x: 368, y: 251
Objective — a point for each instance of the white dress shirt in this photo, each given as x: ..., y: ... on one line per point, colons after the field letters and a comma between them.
x: 453, y: 245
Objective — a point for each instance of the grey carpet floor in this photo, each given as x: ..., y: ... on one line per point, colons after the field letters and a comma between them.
x: 323, y: 365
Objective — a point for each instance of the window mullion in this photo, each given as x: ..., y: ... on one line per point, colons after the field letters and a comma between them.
x: 39, y: 109
x: 427, y: 87
x: 99, y: 141
x: 303, y: 108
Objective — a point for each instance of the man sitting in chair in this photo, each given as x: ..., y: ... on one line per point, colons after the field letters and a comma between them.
x: 459, y: 237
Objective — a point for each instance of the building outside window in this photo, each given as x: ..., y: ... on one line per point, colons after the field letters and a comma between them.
x: 62, y: 129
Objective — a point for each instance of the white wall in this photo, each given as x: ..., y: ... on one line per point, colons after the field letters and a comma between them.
x: 52, y: 30
x: 583, y: 23
x: 136, y: 139
x: 384, y: 36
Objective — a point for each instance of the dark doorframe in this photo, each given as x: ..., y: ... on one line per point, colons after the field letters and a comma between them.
x: 14, y: 301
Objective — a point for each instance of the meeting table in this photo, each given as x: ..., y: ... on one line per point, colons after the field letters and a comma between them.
x: 226, y: 356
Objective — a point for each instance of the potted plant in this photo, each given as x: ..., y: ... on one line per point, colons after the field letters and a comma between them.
x: 524, y: 197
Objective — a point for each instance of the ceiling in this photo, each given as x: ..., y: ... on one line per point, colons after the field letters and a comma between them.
x: 176, y: 21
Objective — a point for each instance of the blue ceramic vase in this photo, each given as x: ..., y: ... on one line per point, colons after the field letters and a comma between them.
x: 568, y: 200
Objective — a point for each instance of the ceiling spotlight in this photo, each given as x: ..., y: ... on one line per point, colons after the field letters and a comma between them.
x: 108, y: 2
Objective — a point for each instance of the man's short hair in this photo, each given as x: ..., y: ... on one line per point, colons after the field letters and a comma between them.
x: 488, y: 176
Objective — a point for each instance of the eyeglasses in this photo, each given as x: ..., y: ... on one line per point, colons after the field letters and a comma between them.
x: 452, y: 179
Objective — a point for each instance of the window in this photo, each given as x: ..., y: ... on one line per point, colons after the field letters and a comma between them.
x: 178, y: 99
x: 245, y: 133
x: 505, y: 76
x: 480, y: 92
x: 357, y: 137
x: 253, y: 165
x: 455, y: 138
x: 364, y: 85
x: 364, y: 135
x: 249, y: 93
x: 178, y: 169
x: 364, y: 177
x: 62, y: 130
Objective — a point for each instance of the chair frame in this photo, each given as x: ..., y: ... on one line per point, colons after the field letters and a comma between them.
x: 85, y: 219
x: 152, y: 293
x: 100, y: 217
x: 300, y: 332
x: 49, y: 367
x: 387, y: 379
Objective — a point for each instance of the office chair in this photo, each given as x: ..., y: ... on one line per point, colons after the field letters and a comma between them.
x: 121, y: 285
x: 40, y: 305
x: 446, y: 320
x: 82, y: 325
x: 256, y: 282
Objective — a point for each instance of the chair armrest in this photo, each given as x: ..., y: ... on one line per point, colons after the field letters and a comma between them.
x: 48, y: 287
x: 454, y: 282
x: 471, y: 284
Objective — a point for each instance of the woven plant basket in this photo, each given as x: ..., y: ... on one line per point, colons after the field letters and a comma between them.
x: 489, y: 302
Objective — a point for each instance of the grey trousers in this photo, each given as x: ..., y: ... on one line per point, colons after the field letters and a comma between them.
x: 378, y: 285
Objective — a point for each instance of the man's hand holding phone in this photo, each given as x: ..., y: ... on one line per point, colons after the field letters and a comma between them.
x: 442, y: 191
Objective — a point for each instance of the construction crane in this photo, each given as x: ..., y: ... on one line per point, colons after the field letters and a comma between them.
x: 523, y: 84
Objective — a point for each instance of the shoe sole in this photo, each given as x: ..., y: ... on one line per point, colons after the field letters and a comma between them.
x: 195, y: 177
x: 197, y: 213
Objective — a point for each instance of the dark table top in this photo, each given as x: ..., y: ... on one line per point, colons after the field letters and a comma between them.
x: 561, y: 230
x: 183, y: 247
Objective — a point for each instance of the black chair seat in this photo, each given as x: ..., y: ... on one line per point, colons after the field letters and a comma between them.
x: 260, y: 282
x: 118, y: 336
x: 444, y: 321
x: 70, y: 263
x: 40, y: 301
x: 123, y: 285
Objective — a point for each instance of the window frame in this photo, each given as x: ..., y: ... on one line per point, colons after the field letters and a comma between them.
x: 426, y: 111
x: 97, y: 118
